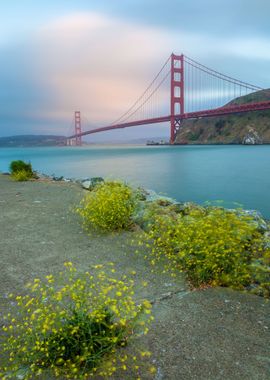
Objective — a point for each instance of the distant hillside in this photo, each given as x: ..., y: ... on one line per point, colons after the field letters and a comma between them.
x: 243, y: 128
x: 32, y: 140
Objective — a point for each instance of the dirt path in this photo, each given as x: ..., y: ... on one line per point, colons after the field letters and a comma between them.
x: 210, y: 334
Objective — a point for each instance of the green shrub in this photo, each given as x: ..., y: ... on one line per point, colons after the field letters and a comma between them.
x: 73, y: 325
x: 260, y: 269
x: 214, y: 246
x: 19, y: 165
x: 21, y: 171
x: 21, y: 175
x: 108, y: 207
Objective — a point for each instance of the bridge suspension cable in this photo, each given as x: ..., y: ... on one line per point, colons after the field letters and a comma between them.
x: 216, y: 74
x: 206, y: 88
x: 138, y: 108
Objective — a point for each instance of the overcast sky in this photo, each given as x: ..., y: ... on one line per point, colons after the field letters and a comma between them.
x: 98, y: 56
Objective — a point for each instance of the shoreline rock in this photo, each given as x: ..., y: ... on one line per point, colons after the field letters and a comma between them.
x: 149, y: 195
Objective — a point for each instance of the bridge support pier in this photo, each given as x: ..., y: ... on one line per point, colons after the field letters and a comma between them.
x: 70, y: 142
x: 175, y: 127
x: 177, y: 94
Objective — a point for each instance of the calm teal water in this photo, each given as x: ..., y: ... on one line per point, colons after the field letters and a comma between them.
x: 188, y: 173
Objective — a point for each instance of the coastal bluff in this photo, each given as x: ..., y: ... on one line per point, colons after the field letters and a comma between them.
x: 249, y: 128
x: 211, y: 333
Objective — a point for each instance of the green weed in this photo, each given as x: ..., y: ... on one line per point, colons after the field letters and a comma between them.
x: 73, y: 325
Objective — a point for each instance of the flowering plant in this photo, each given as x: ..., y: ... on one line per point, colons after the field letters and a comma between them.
x: 73, y: 325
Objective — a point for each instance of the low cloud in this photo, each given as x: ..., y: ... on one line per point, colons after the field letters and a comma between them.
x: 96, y: 64
x: 250, y: 48
x: 100, y: 65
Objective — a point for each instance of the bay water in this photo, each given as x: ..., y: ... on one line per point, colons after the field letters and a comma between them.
x: 236, y: 175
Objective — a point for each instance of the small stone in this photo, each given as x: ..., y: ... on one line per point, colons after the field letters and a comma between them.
x: 61, y: 178
x: 91, y: 183
x: 86, y: 184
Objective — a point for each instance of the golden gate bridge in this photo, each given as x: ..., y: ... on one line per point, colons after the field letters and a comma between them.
x: 182, y: 89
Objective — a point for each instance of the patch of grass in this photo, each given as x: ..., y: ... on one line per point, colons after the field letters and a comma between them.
x: 73, y: 325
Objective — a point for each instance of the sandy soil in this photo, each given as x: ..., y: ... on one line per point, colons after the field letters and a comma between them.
x: 207, y: 334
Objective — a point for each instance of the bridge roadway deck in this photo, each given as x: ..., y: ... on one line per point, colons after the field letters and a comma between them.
x: 190, y: 115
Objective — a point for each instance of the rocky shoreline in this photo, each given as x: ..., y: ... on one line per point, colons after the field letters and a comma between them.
x: 148, y: 195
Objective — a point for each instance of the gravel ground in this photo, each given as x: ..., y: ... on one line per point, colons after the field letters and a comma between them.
x: 207, y: 334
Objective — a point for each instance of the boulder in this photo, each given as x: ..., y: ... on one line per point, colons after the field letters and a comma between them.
x: 252, y: 137
x: 258, y: 219
x: 90, y: 184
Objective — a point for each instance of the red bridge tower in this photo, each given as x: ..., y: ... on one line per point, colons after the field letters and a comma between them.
x: 78, y: 128
x: 177, y: 93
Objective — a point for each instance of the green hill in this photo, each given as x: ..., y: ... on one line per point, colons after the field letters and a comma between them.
x: 32, y: 140
x: 243, y: 128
